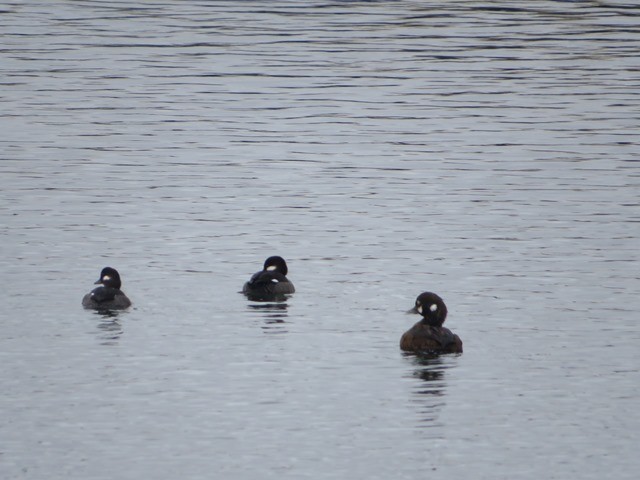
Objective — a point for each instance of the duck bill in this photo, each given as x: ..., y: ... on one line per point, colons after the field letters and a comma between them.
x: 98, y: 282
x: 412, y: 310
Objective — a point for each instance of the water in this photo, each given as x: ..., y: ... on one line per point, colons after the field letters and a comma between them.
x: 483, y: 150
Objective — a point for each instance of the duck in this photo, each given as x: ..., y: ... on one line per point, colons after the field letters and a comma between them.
x: 428, y: 336
x: 108, y: 295
x: 270, y: 283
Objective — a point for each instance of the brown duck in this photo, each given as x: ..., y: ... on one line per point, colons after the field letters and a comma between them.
x: 428, y: 336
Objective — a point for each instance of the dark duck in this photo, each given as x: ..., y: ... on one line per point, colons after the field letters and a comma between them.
x: 108, y: 295
x: 271, y: 283
x: 428, y: 336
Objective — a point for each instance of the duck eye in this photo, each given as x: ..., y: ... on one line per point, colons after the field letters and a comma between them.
x: 433, y: 307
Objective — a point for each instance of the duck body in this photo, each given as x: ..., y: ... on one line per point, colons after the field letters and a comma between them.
x: 108, y: 296
x: 271, y: 283
x: 423, y: 338
x: 428, y: 336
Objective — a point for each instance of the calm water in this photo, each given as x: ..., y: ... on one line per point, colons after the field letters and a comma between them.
x: 483, y: 150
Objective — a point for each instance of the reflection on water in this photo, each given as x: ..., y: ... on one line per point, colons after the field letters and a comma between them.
x: 273, y: 314
x: 109, y: 327
x: 430, y: 392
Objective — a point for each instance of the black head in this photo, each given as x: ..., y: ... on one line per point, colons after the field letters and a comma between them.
x: 432, y: 309
x: 109, y: 277
x: 276, y: 264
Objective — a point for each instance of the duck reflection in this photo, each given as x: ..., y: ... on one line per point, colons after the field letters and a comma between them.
x: 109, y: 327
x: 429, y: 392
x: 431, y: 370
x: 274, y: 315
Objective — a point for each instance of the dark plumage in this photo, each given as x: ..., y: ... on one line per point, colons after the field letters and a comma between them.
x: 271, y: 283
x: 428, y: 336
x: 108, y: 296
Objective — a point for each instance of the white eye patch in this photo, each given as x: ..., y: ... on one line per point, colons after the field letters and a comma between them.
x: 106, y: 278
x: 274, y: 280
x: 419, y: 309
x: 271, y: 268
x: 433, y: 307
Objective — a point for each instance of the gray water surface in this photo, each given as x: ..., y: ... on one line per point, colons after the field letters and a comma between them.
x: 487, y: 151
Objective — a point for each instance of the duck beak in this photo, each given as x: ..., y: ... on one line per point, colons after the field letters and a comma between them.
x: 97, y: 282
x: 413, y: 310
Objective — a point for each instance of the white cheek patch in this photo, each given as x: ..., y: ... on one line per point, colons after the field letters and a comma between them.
x: 433, y: 307
x: 106, y: 278
x: 419, y: 309
x: 274, y: 280
x: 271, y: 268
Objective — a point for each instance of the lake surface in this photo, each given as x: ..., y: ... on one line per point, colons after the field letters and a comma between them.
x: 486, y: 151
